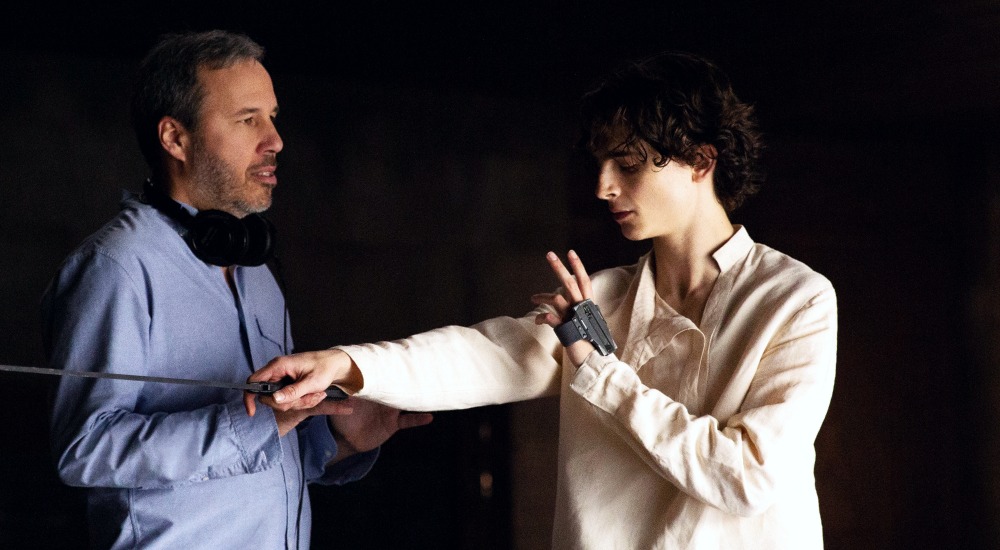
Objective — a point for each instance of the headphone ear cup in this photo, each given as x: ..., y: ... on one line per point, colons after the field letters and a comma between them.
x: 217, y: 237
x: 260, y: 239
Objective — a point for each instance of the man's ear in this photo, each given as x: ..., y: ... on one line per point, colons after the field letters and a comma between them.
x: 704, y: 164
x: 174, y: 138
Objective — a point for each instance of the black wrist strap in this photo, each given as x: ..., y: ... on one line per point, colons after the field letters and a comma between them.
x: 587, y: 323
x: 568, y: 333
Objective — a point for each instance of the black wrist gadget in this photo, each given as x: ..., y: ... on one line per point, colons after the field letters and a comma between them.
x: 587, y: 323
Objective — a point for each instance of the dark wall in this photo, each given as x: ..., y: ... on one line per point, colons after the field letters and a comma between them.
x: 428, y: 167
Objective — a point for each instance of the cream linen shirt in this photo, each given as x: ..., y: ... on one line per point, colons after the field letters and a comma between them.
x: 693, y: 437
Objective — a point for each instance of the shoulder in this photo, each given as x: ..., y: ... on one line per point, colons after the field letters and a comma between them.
x: 778, y: 274
x: 135, y: 232
x: 123, y: 247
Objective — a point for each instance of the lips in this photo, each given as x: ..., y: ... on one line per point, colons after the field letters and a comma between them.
x: 621, y: 215
x: 265, y: 174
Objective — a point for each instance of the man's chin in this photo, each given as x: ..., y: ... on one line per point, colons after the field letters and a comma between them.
x: 245, y: 209
x: 258, y: 205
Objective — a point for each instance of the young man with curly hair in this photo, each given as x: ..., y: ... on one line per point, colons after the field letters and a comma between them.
x: 698, y: 430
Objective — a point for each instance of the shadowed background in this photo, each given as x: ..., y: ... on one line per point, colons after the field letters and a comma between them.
x: 428, y: 167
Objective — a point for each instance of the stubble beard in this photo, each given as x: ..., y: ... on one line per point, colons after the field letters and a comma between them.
x: 219, y: 185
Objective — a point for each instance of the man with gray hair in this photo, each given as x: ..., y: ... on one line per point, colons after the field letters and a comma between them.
x: 175, y: 286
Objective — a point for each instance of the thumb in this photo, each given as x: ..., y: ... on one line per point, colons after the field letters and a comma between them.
x: 286, y: 395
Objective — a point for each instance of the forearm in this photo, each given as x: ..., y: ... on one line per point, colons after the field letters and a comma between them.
x: 500, y: 360
x: 117, y: 448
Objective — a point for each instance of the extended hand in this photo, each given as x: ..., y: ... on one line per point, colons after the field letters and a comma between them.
x: 370, y: 425
x: 575, y: 289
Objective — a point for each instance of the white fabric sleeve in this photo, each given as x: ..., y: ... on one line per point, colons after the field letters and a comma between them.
x: 500, y: 360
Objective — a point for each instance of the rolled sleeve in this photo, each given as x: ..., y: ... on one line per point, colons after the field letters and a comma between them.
x: 604, y: 381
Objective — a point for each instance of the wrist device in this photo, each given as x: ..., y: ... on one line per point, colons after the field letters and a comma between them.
x: 585, y: 322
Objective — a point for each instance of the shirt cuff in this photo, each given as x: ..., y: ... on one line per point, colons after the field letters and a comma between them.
x: 370, y: 376
x: 256, y: 436
x: 604, y: 381
x: 350, y: 469
x: 318, y: 446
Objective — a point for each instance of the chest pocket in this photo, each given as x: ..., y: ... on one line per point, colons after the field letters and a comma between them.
x: 270, y: 340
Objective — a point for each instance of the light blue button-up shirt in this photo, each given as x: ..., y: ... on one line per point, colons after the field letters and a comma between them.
x: 174, y: 466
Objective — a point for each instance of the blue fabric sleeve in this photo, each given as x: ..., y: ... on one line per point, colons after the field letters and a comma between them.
x: 319, y: 447
x: 98, y: 319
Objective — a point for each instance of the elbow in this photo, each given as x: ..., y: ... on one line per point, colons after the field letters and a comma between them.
x: 76, y: 460
x: 69, y: 466
x: 73, y: 470
x: 748, y: 502
x: 751, y: 506
x: 753, y: 494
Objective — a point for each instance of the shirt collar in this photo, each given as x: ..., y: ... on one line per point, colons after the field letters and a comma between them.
x: 733, y: 250
x: 132, y: 199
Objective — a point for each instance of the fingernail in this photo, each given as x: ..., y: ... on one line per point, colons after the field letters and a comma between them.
x: 551, y: 255
x: 279, y: 397
x: 572, y: 252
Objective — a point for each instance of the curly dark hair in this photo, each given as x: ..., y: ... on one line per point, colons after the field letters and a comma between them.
x: 675, y: 103
x: 167, y: 81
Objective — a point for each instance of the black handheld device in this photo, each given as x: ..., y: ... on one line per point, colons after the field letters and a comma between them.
x: 586, y: 322
x: 267, y: 388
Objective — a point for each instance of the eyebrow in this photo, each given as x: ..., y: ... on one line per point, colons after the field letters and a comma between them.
x: 616, y: 154
x: 253, y: 111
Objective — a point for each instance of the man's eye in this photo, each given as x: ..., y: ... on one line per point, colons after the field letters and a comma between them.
x: 248, y: 121
x: 630, y: 168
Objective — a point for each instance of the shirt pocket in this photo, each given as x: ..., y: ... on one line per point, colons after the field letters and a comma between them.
x: 272, y: 338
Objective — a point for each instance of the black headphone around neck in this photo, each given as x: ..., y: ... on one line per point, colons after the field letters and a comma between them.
x: 218, y: 237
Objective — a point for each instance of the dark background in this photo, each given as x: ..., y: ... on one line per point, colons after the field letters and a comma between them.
x: 428, y: 166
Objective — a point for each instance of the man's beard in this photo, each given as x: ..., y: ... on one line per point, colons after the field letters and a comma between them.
x: 217, y: 182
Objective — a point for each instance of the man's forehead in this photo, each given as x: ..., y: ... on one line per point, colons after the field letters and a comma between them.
x: 241, y: 85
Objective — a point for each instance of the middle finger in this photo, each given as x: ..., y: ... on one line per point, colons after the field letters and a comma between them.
x: 568, y: 281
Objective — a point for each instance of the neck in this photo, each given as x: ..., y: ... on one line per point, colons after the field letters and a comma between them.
x: 684, y: 268
x: 181, y: 191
